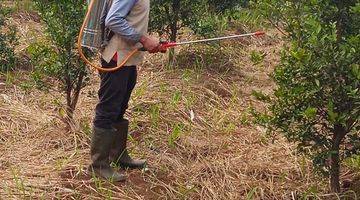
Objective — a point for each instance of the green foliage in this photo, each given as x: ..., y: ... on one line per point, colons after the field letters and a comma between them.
x: 44, y: 59
x: 210, y: 25
x: 8, y: 41
x: 207, y: 18
x: 221, y: 6
x: 168, y: 16
x: 60, y: 59
x: 204, y: 17
x: 250, y: 19
x: 317, y: 101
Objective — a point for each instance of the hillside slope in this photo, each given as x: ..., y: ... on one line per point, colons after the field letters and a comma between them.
x: 192, y: 122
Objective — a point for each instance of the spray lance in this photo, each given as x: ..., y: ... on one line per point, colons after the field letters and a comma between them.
x: 90, y: 36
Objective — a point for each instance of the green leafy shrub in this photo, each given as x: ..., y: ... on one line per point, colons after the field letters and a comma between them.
x: 317, y: 100
x: 7, y: 42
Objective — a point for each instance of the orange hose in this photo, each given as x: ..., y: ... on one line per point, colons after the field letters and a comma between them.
x: 83, y: 57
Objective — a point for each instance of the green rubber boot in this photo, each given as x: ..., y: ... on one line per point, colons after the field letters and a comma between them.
x: 119, y: 154
x: 100, y: 149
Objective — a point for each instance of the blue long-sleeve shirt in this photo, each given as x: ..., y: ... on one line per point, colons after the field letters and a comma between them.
x: 116, y: 19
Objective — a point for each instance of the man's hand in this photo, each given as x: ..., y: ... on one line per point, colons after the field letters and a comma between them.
x: 151, y: 44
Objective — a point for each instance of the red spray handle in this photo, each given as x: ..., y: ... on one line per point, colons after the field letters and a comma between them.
x: 168, y: 44
x: 259, y: 33
x: 164, y: 44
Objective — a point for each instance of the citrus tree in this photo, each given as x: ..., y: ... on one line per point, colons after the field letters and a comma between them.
x: 169, y: 16
x: 204, y: 17
x: 317, y: 100
x: 63, y: 19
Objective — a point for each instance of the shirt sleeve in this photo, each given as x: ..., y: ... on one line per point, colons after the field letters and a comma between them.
x: 116, y: 19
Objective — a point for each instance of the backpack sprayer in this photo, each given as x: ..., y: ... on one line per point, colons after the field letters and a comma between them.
x: 91, y: 36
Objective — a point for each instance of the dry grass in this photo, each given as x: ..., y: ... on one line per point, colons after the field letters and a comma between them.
x: 192, y: 123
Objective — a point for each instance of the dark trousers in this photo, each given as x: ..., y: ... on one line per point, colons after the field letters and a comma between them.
x: 114, y: 94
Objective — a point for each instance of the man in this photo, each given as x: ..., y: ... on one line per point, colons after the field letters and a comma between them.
x: 128, y: 20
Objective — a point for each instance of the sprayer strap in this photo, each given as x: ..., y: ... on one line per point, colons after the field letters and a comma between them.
x: 106, y: 34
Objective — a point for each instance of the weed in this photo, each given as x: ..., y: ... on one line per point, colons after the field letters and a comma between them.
x: 19, y: 183
x: 245, y: 116
x: 9, y: 78
x: 26, y: 85
x: 312, y: 191
x: 187, y: 75
x: 101, y: 188
x: 249, y: 79
x: 163, y: 87
x: 353, y: 162
x: 189, y: 101
x: 86, y: 128
x: 257, y: 57
x: 154, y: 115
x: 230, y: 127
x: 184, y: 190
x: 251, y: 195
x: 176, y: 98
x: 234, y: 95
x: 260, y: 96
x: 140, y: 89
x: 63, y: 161
x: 175, y: 134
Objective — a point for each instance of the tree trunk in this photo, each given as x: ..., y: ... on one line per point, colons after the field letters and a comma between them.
x: 72, y: 98
x: 68, y: 111
x: 174, y: 28
x: 339, y: 134
x: 173, y: 39
x: 77, y: 90
x: 335, y: 172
